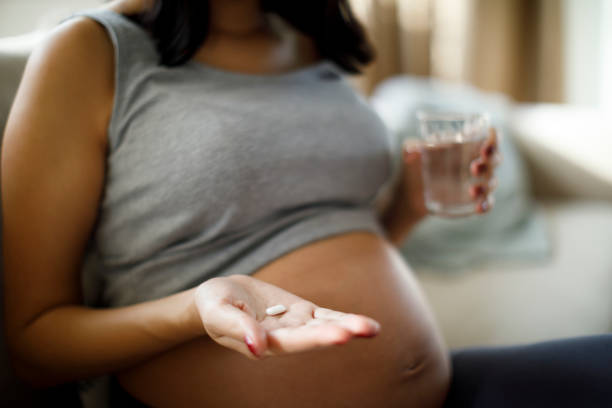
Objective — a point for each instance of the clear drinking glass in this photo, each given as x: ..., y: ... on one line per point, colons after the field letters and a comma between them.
x: 452, y: 141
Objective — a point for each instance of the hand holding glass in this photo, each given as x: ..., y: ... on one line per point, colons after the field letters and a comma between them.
x: 455, y: 175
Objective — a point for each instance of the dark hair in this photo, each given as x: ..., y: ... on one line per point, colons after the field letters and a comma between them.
x: 179, y: 27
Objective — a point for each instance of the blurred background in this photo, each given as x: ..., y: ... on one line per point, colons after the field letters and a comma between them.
x: 532, y: 50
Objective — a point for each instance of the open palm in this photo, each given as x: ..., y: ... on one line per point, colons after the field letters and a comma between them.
x: 233, y: 311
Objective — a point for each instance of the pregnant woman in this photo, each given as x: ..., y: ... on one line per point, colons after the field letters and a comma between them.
x: 170, y: 170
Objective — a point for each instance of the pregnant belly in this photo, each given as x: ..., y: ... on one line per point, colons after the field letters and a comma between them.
x: 405, y: 365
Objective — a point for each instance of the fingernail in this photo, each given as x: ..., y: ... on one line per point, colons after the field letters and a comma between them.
x: 250, y: 345
x: 481, y: 168
x: 476, y: 191
x: 367, y: 335
x: 489, y: 151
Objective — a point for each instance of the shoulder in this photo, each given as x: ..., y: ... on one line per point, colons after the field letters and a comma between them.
x: 78, y: 49
x: 74, y: 67
x: 79, y: 38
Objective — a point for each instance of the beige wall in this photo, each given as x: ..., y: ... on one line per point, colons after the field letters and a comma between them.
x: 23, y: 16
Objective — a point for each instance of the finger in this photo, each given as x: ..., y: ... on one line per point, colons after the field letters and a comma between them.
x: 496, y: 160
x: 360, y: 326
x: 492, y: 138
x: 489, y: 147
x: 324, y: 313
x: 478, y: 191
x: 239, y: 346
x: 357, y: 324
x: 297, y: 339
x: 480, y: 167
x: 483, y: 189
x: 485, y: 205
x: 487, y: 150
x: 412, y: 152
x: 228, y: 320
x: 412, y: 146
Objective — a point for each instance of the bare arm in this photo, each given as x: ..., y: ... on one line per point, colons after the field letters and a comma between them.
x: 53, y: 163
x: 406, y: 207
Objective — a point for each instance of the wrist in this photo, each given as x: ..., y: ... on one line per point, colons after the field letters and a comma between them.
x: 191, y: 320
x: 398, y: 232
x: 399, y: 219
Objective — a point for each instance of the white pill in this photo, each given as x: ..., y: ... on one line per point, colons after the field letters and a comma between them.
x: 275, y: 310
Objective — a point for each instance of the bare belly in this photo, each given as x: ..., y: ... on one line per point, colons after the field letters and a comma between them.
x: 405, y: 365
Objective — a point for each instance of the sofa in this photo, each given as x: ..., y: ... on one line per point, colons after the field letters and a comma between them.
x: 566, y: 291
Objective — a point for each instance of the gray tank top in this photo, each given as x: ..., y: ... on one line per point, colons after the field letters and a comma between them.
x: 212, y: 173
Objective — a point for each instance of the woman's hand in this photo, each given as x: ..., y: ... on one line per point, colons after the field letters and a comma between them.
x: 233, y: 312
x: 408, y: 205
x: 484, y: 167
x: 481, y: 168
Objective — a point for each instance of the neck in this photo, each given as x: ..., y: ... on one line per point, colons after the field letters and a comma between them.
x: 236, y: 17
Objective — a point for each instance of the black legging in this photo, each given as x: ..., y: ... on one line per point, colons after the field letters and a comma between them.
x: 574, y: 372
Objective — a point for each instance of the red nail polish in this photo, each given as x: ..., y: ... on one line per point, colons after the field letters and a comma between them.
x: 477, y: 190
x: 250, y: 345
x: 482, y: 167
x: 489, y: 151
x: 369, y: 335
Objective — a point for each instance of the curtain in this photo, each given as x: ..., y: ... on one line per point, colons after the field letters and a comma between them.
x: 509, y: 46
